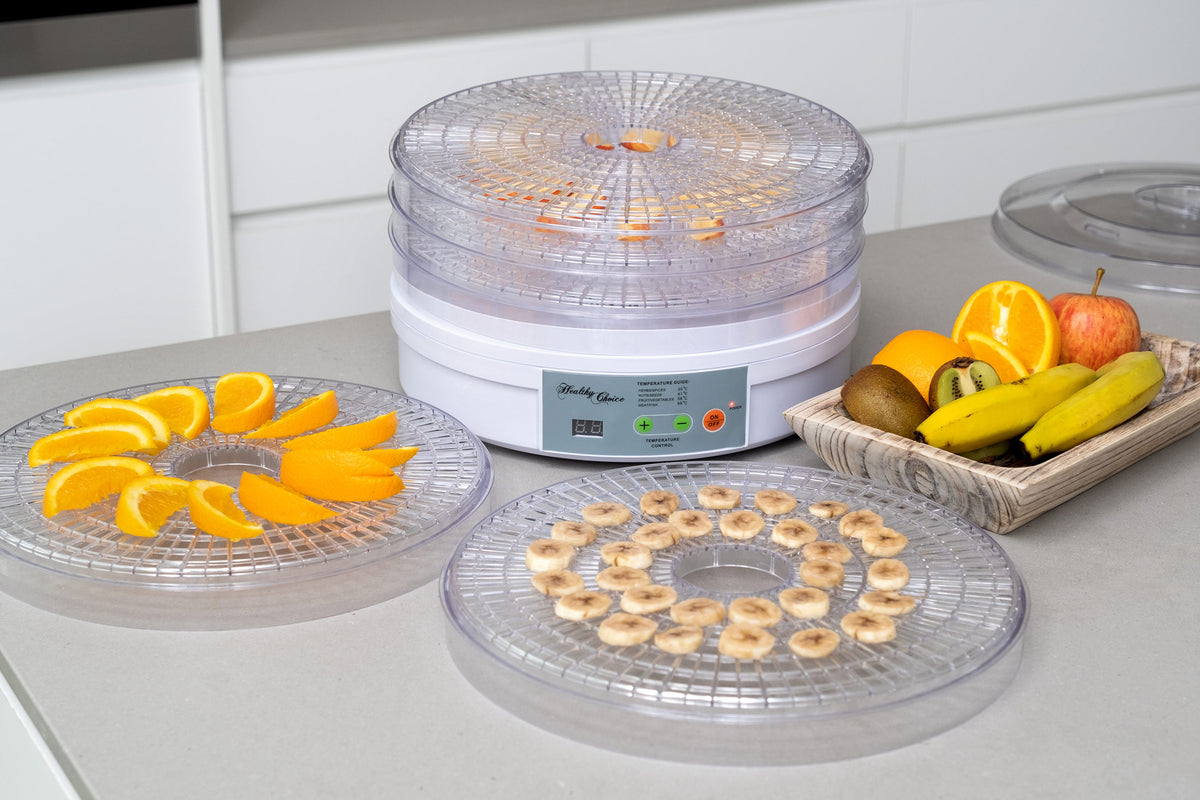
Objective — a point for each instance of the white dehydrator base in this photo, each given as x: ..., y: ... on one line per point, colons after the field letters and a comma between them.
x: 496, y: 388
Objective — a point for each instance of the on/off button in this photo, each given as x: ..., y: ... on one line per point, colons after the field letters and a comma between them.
x: 714, y: 420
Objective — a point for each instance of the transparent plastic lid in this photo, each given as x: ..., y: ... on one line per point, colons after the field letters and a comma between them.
x: 1140, y: 221
x: 611, y: 182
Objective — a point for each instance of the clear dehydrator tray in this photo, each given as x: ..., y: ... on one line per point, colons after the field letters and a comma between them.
x: 1140, y: 221
x: 952, y: 655
x: 78, y: 563
x: 610, y: 182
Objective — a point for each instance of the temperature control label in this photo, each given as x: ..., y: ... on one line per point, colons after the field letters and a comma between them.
x: 644, y: 415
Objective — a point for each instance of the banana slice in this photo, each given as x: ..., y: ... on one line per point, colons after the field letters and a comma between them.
x: 618, y: 579
x: 690, y: 522
x: 659, y: 502
x: 581, y: 605
x: 793, y: 532
x: 543, y: 555
x: 757, y: 611
x: 822, y: 573
x: 648, y: 599
x: 698, y: 611
x: 805, y: 602
x: 891, y: 603
x: 774, y: 501
x: 888, y: 574
x: 883, y: 542
x: 814, y: 642
x: 680, y: 640
x: 718, y: 498
x: 834, y: 551
x: 627, y: 554
x: 557, y: 582
x: 576, y: 534
x: 605, y: 514
x: 853, y: 523
x: 870, y: 627
x: 655, y: 535
x: 748, y: 642
x: 622, y: 630
x: 741, y: 525
x: 828, y: 509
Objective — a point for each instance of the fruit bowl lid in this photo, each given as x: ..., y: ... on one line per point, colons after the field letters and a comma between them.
x: 1140, y: 221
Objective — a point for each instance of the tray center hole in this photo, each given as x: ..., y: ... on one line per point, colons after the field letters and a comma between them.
x: 225, y: 463
x: 734, y: 569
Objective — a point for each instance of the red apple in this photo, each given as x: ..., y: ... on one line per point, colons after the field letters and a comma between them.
x: 1095, y: 328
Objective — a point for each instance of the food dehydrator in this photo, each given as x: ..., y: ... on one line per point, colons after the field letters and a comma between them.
x: 625, y: 266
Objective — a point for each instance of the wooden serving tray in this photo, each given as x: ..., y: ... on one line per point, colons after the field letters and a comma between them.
x: 1001, y: 499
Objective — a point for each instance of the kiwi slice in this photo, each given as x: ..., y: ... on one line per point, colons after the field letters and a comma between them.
x: 958, y: 377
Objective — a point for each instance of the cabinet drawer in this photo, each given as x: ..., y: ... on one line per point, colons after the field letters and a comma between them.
x: 315, y: 128
x: 973, y: 58
x: 848, y: 56
x: 959, y: 171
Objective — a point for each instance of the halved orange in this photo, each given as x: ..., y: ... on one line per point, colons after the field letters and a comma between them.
x: 146, y: 503
x: 90, y: 480
x: 242, y: 401
x: 309, y: 415
x: 266, y: 497
x: 917, y: 354
x: 185, y: 408
x: 392, y: 456
x: 1006, y: 363
x: 341, y: 475
x: 213, y: 511
x: 1015, y: 315
x: 109, y: 439
x: 115, y: 409
x: 356, y: 436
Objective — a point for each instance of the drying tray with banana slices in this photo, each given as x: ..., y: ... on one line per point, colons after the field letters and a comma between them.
x: 952, y: 655
x: 79, y: 564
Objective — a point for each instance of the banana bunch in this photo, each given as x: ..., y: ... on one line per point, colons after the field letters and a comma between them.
x: 1051, y: 411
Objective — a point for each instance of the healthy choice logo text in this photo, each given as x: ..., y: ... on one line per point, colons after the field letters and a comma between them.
x: 597, y: 397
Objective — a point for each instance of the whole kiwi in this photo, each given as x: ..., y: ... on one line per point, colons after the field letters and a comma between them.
x: 880, y: 396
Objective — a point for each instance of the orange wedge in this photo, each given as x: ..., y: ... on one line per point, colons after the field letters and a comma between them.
x: 242, y: 401
x: 341, y: 475
x: 1018, y: 317
x: 112, y: 409
x: 357, y: 436
x: 309, y: 415
x: 89, y: 481
x: 185, y: 408
x: 146, y: 503
x: 266, y: 497
x: 108, y: 439
x: 1006, y: 363
x: 392, y: 456
x: 213, y: 511
x: 917, y: 354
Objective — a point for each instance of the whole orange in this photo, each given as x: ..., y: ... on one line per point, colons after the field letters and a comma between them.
x: 917, y: 354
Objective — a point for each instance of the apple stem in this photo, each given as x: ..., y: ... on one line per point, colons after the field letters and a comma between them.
x: 1096, y: 285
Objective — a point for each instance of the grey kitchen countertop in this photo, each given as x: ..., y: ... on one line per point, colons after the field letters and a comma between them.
x: 369, y: 703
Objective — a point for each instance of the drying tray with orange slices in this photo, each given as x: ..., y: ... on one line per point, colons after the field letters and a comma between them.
x: 78, y: 563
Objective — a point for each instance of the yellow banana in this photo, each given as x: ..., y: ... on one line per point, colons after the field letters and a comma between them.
x: 1124, y: 387
x: 1001, y: 412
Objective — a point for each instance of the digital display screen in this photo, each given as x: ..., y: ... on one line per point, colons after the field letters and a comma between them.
x: 587, y: 427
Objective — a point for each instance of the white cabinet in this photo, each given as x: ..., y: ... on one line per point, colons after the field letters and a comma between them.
x: 104, y: 243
